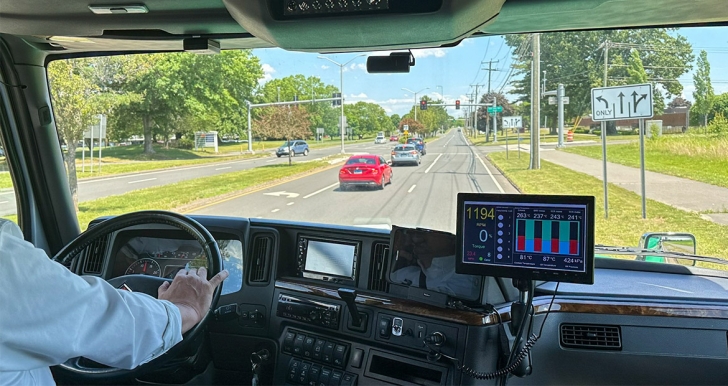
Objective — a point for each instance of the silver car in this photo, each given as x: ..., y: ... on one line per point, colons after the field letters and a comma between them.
x: 406, y: 153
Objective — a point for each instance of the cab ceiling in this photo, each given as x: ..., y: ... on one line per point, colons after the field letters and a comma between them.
x: 168, y: 21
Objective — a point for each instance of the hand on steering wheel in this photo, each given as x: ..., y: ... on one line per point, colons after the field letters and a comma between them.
x: 192, y: 293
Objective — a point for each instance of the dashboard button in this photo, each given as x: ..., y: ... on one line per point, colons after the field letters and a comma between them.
x: 308, y: 346
x: 298, y: 344
x: 385, y: 327
x: 288, y: 342
x: 313, y: 376
x: 336, y: 377
x: 328, y: 355
x: 339, y: 352
x: 318, y: 349
x: 325, y: 376
x: 349, y: 379
x: 357, y: 355
x: 303, y: 373
x: 293, y: 368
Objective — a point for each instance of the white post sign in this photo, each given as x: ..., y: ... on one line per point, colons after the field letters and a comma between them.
x: 622, y: 102
x: 512, y: 122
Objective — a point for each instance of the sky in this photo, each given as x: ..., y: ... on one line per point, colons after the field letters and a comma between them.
x: 448, y: 73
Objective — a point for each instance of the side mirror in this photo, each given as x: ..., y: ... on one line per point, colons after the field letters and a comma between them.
x: 669, y: 242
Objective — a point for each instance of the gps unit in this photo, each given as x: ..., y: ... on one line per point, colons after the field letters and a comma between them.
x: 523, y: 236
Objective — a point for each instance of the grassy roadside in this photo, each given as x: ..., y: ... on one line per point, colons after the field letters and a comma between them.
x: 185, y: 193
x: 700, y: 159
x: 526, y: 139
x: 625, y: 224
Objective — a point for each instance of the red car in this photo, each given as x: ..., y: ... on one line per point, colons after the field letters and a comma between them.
x: 365, y: 170
x: 393, y: 138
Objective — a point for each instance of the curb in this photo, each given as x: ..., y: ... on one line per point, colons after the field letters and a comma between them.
x: 502, y: 173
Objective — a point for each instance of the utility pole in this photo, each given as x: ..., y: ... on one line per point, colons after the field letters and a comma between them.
x: 475, y: 118
x: 535, y: 103
x: 490, y: 70
x: 604, y: 137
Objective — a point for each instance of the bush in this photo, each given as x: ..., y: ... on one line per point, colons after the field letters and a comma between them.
x: 718, y: 125
x: 185, y: 143
x: 581, y: 130
x: 654, y: 130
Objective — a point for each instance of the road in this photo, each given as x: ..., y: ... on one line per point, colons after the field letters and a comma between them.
x: 422, y: 196
x: 91, y: 189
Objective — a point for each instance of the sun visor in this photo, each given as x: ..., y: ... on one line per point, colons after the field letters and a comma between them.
x: 355, y: 25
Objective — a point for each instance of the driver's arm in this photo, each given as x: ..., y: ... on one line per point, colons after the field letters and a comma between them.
x: 50, y: 315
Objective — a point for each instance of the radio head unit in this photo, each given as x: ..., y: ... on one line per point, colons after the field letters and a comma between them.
x: 328, y: 259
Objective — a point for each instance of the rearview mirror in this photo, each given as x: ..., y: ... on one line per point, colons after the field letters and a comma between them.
x: 669, y: 242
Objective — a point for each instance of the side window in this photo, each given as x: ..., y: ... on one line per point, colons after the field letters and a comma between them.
x: 8, y: 202
x: 382, y: 161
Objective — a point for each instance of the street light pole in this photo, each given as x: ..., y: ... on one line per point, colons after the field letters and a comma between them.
x: 341, y: 89
x: 416, y: 102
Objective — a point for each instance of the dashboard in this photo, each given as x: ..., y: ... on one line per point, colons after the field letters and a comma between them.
x: 338, y: 319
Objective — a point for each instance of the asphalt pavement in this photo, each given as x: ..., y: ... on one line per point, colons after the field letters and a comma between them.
x: 94, y: 188
x: 419, y: 196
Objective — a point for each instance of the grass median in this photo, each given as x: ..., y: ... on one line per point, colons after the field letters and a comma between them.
x: 625, y: 224
x: 699, y: 158
x: 185, y: 193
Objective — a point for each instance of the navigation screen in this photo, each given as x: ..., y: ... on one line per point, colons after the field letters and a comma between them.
x: 330, y: 258
x: 546, y: 238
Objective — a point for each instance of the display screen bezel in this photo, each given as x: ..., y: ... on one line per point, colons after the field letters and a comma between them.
x: 325, y: 275
x: 527, y: 273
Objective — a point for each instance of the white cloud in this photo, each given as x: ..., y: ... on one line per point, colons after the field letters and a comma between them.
x: 268, y: 72
x: 423, y: 53
x: 360, y: 95
x: 355, y: 66
x: 325, y: 67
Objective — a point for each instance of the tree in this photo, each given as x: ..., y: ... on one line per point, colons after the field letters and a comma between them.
x: 575, y: 59
x: 74, y: 98
x: 485, y: 119
x: 412, y: 126
x: 283, y: 122
x: 703, y: 94
x: 432, y: 119
x: 367, y: 118
x: 395, y: 118
x: 679, y: 102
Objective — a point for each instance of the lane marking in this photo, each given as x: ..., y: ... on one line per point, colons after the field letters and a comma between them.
x: 433, y: 163
x: 274, y: 210
x: 321, y: 190
x: 273, y: 160
x: 226, y: 167
x: 291, y: 203
x: 448, y: 141
x: 282, y: 193
x: 500, y: 188
x: 145, y: 180
x: 411, y: 189
x: 4, y: 202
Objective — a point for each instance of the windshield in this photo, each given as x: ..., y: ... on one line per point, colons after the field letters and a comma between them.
x: 170, y: 131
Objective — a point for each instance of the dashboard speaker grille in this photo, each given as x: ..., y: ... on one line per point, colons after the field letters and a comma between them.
x: 94, y: 255
x: 260, y: 258
x: 378, y: 276
x: 588, y: 336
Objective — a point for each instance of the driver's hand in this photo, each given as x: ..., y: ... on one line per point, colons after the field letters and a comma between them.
x: 192, y: 293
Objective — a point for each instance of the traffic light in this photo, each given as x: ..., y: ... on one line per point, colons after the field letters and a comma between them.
x: 457, y: 105
x: 423, y: 104
x: 338, y: 102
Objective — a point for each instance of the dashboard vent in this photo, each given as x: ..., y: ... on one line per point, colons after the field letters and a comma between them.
x: 260, y: 258
x: 94, y: 255
x: 588, y: 336
x: 378, y: 276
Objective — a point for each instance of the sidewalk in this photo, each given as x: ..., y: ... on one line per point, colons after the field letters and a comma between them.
x: 675, y: 191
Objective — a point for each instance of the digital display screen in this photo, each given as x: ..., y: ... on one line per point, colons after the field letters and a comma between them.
x: 329, y: 258
x: 425, y: 258
x: 537, y: 237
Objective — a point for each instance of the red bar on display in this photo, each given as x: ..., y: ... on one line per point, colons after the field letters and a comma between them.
x: 573, y: 247
x: 521, y: 243
x: 537, y: 245
x: 555, y: 246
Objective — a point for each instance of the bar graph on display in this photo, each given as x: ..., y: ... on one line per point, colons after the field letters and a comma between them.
x: 547, y: 236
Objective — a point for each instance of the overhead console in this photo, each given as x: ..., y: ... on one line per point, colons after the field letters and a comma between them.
x: 353, y: 25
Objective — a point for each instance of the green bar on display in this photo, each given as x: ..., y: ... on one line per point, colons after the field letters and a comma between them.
x: 564, y: 232
x: 529, y: 229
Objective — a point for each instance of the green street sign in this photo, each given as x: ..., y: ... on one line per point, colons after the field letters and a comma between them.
x: 496, y: 109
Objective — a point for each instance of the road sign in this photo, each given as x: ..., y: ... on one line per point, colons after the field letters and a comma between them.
x: 496, y: 109
x: 512, y: 122
x: 565, y: 100
x: 622, y: 102
x: 405, y: 127
x: 552, y: 100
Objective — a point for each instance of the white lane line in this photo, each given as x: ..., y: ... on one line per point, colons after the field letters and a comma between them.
x: 411, y: 189
x: 448, y: 141
x: 274, y: 210
x: 490, y: 174
x: 433, y: 163
x: 226, y: 167
x: 291, y: 203
x: 4, y: 202
x: 273, y: 160
x: 166, y: 171
x: 321, y: 190
x: 145, y: 180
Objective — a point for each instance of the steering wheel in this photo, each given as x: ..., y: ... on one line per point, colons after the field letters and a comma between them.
x: 88, y: 370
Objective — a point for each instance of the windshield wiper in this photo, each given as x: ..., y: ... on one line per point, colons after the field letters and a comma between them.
x: 650, y: 252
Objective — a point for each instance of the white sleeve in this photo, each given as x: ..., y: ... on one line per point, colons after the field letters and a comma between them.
x: 51, y: 315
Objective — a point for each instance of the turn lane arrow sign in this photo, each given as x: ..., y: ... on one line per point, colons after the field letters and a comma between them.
x: 282, y: 193
x: 613, y: 103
